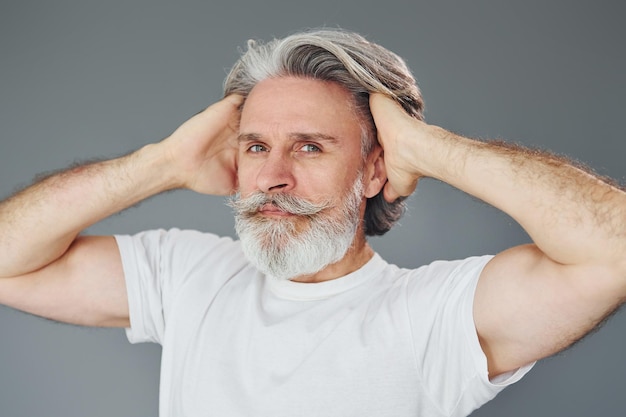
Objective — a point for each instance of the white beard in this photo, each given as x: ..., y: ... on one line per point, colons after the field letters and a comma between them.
x: 279, y: 249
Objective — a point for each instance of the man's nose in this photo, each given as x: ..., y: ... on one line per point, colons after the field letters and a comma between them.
x: 276, y: 173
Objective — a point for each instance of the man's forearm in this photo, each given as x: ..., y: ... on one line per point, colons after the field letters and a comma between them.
x: 571, y: 215
x: 38, y: 224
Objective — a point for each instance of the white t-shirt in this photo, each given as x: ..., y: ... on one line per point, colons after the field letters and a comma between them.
x: 381, y: 341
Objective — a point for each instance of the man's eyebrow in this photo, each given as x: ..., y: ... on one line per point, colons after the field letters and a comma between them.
x: 297, y: 136
x: 312, y: 137
x: 248, y: 137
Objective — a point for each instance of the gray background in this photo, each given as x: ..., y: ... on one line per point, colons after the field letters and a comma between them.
x: 95, y: 79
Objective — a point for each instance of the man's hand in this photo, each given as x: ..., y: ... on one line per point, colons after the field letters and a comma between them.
x: 400, y: 135
x: 204, y: 148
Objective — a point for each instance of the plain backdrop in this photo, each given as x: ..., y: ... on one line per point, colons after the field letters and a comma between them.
x: 87, y: 79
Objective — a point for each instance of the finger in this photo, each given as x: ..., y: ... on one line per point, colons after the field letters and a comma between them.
x: 388, y: 117
x: 381, y: 104
x: 389, y: 193
x: 234, y: 99
x: 378, y: 99
x: 376, y: 106
x: 225, y: 106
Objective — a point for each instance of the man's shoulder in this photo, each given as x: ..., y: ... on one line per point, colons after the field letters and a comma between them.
x: 183, y: 244
x: 177, y: 235
x: 440, y: 273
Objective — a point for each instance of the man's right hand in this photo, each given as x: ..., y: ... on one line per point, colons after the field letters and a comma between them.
x: 47, y: 270
x: 203, y: 150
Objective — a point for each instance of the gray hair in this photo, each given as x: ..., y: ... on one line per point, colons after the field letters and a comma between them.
x: 360, y: 66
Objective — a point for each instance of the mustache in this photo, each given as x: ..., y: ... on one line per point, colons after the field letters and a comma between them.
x: 286, y: 202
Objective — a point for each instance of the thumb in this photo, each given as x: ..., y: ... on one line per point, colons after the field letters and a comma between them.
x: 389, y: 193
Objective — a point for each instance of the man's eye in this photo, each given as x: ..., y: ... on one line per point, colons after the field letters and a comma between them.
x: 310, y: 148
x: 256, y: 148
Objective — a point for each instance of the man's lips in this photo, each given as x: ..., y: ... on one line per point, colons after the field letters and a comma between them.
x: 272, y: 210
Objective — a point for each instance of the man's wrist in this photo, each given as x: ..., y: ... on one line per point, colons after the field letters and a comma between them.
x: 160, y: 167
x: 443, y: 154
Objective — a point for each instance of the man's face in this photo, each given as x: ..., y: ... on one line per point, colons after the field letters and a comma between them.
x: 301, y: 138
x: 298, y: 136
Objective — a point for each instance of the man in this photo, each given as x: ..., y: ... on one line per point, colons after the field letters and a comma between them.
x: 301, y: 317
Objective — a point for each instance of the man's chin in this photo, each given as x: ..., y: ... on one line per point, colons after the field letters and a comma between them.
x: 290, y: 262
x: 284, y: 271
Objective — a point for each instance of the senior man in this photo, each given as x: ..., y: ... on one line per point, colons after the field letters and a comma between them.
x: 319, y: 137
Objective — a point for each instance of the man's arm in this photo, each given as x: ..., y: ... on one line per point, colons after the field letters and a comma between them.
x: 46, y: 269
x: 532, y: 300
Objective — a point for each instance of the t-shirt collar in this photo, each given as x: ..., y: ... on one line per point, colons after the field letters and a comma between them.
x: 321, y: 290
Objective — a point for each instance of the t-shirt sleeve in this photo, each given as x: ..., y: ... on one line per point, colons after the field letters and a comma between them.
x: 157, y: 265
x: 448, y: 353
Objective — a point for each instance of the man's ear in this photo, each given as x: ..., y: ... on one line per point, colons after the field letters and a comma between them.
x: 375, y: 173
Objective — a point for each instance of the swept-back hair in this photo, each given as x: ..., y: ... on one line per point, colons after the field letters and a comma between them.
x: 347, y: 58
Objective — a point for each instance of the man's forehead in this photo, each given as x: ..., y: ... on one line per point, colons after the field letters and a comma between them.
x: 298, y: 90
x: 299, y: 106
